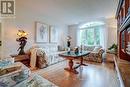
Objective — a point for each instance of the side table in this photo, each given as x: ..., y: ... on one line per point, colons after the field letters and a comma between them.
x: 22, y: 58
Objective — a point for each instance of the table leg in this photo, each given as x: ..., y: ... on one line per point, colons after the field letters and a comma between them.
x: 81, y: 62
x: 71, y: 69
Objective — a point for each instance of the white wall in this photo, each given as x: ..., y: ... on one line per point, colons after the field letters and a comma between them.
x: 25, y: 20
x: 0, y: 40
x: 72, y: 31
x: 112, y: 31
x: 27, y: 13
x: 110, y: 25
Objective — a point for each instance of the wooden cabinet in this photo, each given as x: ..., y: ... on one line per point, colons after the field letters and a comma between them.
x: 22, y: 58
x: 123, y: 25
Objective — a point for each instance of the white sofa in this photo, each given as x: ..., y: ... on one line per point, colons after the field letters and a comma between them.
x: 52, y: 53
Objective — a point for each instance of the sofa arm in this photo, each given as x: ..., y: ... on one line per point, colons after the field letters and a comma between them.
x: 101, y: 51
x: 13, y: 78
x: 6, y: 61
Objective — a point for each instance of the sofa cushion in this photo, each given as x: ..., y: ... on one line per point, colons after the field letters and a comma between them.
x: 97, y: 48
x: 88, y: 48
x: 9, y: 69
x: 13, y: 78
x: 6, y: 61
x: 91, y: 48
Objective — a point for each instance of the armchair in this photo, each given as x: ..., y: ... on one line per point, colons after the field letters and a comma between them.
x: 95, y: 56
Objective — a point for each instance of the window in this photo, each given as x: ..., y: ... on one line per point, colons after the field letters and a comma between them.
x: 90, y: 36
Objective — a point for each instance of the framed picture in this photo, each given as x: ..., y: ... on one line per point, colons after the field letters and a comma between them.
x: 53, y: 34
x: 42, y: 32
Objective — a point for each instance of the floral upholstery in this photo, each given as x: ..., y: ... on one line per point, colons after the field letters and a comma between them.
x: 95, y: 56
x: 16, y: 75
x: 45, y: 57
x: 41, y: 60
x: 36, y: 80
x: 8, y: 69
x: 6, y: 61
x: 21, y: 76
x: 88, y: 48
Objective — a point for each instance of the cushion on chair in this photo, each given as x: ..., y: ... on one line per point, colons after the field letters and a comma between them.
x: 9, y: 69
x: 97, y: 48
x: 13, y: 78
x: 88, y: 48
x: 6, y: 61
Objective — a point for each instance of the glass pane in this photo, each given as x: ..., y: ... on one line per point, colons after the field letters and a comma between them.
x: 90, y: 36
x: 97, y: 36
x: 83, y: 37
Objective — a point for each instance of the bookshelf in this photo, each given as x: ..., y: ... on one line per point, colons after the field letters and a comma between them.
x: 123, y: 25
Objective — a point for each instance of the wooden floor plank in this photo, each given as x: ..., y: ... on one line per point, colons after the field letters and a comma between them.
x: 93, y: 75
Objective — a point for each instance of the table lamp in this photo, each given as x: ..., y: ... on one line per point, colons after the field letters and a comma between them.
x: 23, y: 40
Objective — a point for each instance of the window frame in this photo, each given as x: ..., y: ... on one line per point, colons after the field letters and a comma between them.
x: 86, y: 29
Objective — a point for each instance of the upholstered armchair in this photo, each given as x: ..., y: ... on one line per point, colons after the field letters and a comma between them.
x: 95, y: 56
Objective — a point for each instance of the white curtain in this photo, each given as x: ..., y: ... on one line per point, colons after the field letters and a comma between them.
x: 78, y: 36
x: 103, y: 36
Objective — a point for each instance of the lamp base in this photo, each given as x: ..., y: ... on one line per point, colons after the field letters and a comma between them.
x: 21, y: 52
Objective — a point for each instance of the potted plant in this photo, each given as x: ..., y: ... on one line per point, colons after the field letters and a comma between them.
x: 113, y: 48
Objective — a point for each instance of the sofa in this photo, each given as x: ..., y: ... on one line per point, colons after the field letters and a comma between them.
x: 18, y: 75
x: 95, y: 55
x: 45, y: 55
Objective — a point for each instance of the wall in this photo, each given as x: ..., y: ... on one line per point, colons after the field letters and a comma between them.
x: 110, y: 25
x: 0, y: 40
x: 27, y: 13
x: 72, y: 31
x: 25, y: 20
x: 112, y: 31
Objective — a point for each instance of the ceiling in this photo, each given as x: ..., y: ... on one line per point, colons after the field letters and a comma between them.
x: 68, y: 11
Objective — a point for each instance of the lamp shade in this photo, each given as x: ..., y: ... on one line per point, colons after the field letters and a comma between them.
x: 69, y: 37
x: 21, y: 33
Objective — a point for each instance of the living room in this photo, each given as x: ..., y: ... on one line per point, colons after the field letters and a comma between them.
x: 39, y: 36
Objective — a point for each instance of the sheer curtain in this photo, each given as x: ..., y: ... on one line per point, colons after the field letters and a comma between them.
x: 78, y: 36
x: 103, y: 36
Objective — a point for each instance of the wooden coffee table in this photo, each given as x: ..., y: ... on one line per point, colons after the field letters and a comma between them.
x: 70, y: 56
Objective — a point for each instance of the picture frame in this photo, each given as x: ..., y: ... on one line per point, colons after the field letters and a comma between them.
x: 42, y: 32
x: 53, y: 34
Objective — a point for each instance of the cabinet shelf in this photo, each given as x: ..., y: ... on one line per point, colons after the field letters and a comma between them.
x: 123, y: 21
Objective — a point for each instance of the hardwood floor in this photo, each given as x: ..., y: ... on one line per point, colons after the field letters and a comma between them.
x: 93, y: 75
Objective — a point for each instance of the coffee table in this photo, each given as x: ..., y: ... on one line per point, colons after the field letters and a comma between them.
x: 70, y: 56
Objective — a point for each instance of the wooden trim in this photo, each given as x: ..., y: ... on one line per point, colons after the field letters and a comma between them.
x: 118, y: 72
x: 126, y: 7
x: 125, y: 23
x: 119, y: 8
